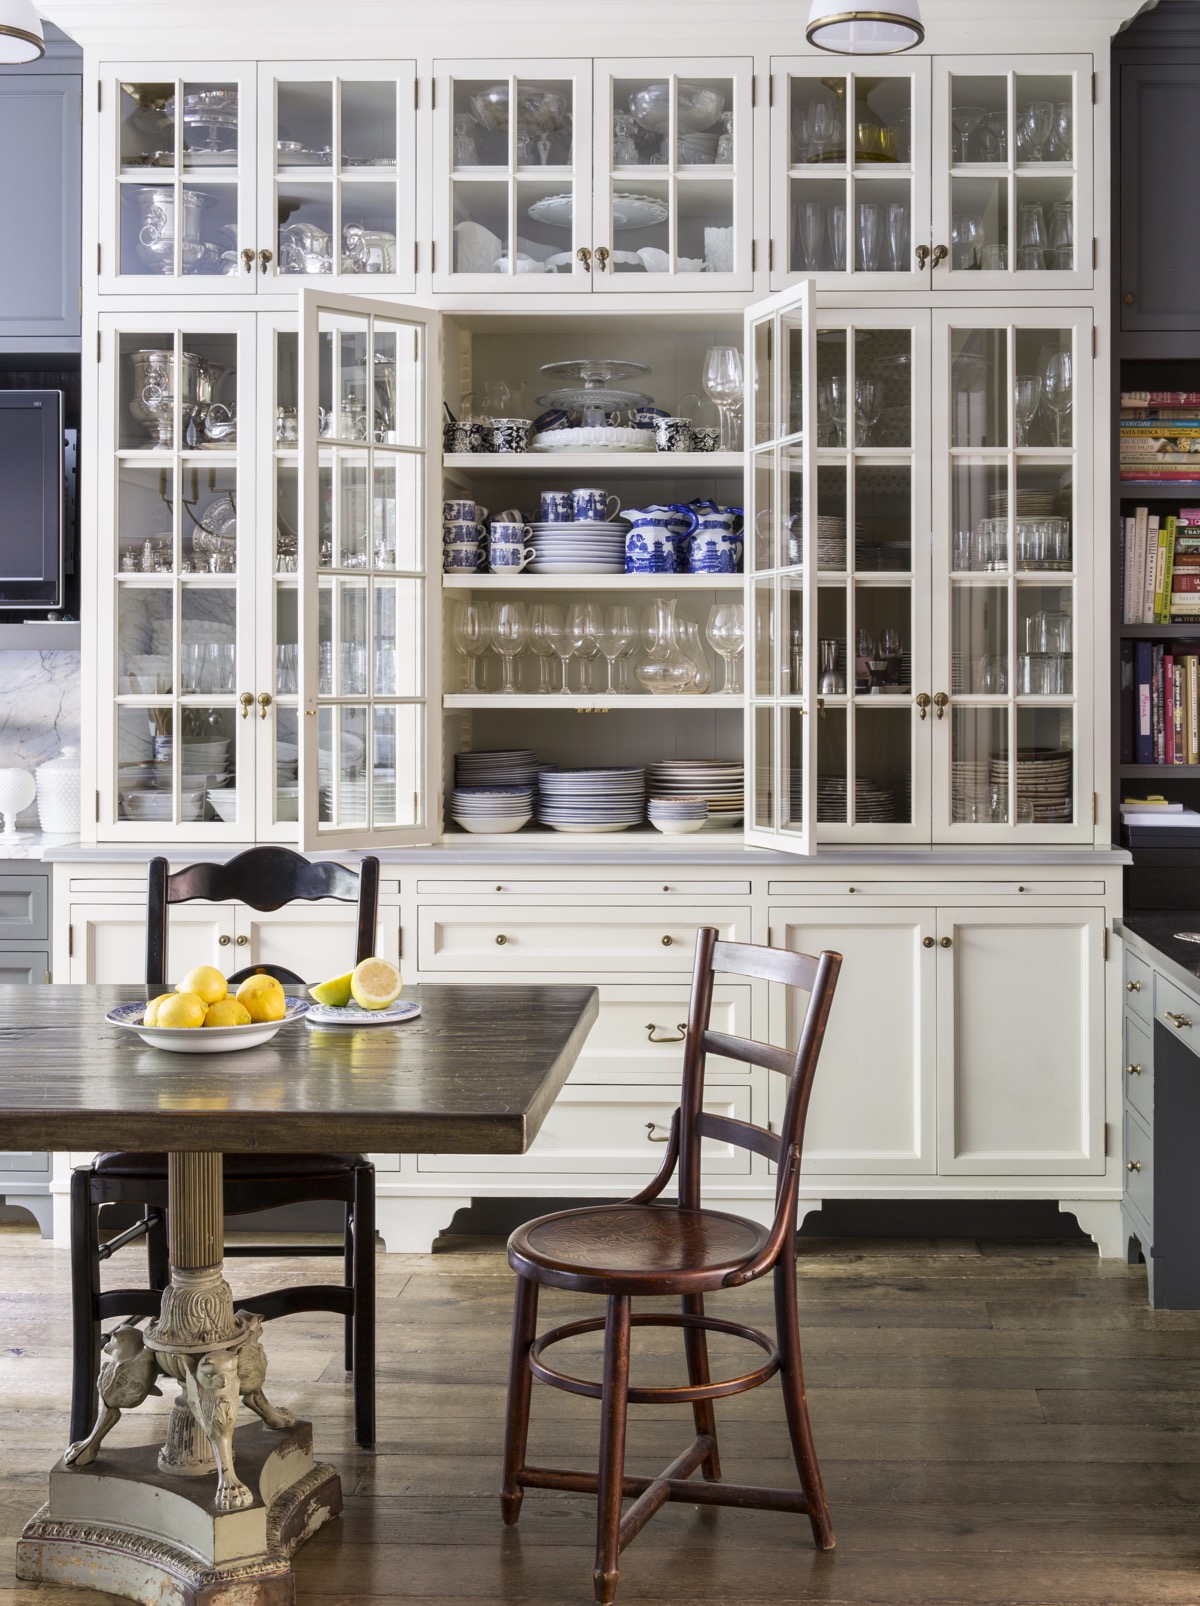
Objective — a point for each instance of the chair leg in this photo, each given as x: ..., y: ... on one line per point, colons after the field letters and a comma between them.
x: 520, y: 1387
x: 364, y: 1306
x: 791, y: 1375
x: 348, y: 1279
x: 614, y: 1409
x: 158, y: 1264
x: 695, y: 1342
x: 85, y: 1294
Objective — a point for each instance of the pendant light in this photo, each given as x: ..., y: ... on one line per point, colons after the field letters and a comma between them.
x: 859, y: 31
x: 21, y: 36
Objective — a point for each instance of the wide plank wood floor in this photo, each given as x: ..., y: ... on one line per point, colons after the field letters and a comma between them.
x: 998, y: 1424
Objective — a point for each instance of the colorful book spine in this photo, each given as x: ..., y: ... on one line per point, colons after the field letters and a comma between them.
x: 1162, y: 611
x: 1147, y: 614
x: 1192, y: 725
x: 1168, y: 709
x: 1179, y: 745
x: 1143, y: 675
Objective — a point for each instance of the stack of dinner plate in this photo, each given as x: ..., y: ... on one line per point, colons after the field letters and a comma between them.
x: 610, y: 799
x: 516, y: 766
x: 585, y: 548
x: 970, y: 789
x: 720, y: 782
x: 831, y: 541
x: 492, y: 809
x: 873, y: 804
x: 352, y: 800
x: 1043, y: 781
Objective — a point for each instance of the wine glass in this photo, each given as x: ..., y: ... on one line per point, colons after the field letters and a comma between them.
x: 898, y: 235
x: 1057, y: 383
x: 544, y: 618
x: 836, y: 215
x: 726, y: 633
x: 509, y: 637
x: 836, y: 396
x: 563, y: 638
x: 870, y: 234
x: 812, y: 234
x: 723, y: 384
x: 472, y: 635
x: 617, y: 636
x: 1027, y: 396
x: 583, y: 621
x: 868, y: 405
x: 1037, y: 122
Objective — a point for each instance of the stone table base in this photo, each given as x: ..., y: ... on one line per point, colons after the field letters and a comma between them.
x: 125, y: 1526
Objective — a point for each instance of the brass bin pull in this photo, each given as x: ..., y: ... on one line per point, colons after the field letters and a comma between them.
x: 584, y: 255
x: 265, y: 258
x: 940, y: 253
x: 601, y: 257
x: 1180, y: 1021
x: 940, y: 699
x: 922, y: 255
x: 248, y: 260
x: 678, y: 1036
x: 651, y: 1136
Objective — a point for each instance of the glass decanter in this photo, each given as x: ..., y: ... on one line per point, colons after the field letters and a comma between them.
x: 666, y: 668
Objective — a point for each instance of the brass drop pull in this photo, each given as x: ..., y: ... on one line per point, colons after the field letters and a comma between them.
x: 667, y: 941
x: 584, y: 255
x: 501, y: 940
x: 922, y: 255
x: 247, y: 702
x: 223, y: 942
x: 601, y: 257
x: 1133, y: 986
x: 1133, y: 1070
x: 923, y: 700
x: 1133, y: 1165
x: 248, y: 260
x: 945, y: 942
x: 242, y: 941
x: 1127, y: 298
x: 940, y: 253
x: 265, y: 258
x: 940, y: 700
x: 677, y: 1036
x: 1179, y: 1021
x: 926, y: 942
x: 264, y: 702
x: 653, y: 1137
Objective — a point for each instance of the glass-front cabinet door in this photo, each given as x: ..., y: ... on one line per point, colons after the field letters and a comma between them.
x: 178, y: 168
x: 1012, y: 521
x: 369, y: 498
x: 672, y: 175
x: 336, y: 174
x: 850, y: 173
x: 873, y: 577
x: 513, y: 199
x: 780, y: 557
x: 176, y: 637
x: 1012, y: 173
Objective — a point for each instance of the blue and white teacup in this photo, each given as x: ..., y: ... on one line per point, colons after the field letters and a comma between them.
x: 557, y: 507
x: 463, y: 558
x: 552, y: 418
x: 509, y: 557
x: 463, y: 511
x: 510, y: 434
x: 674, y: 434
x: 649, y: 550
x: 594, y: 507
x: 714, y: 552
x: 507, y: 532
x: 461, y: 532
x: 648, y: 417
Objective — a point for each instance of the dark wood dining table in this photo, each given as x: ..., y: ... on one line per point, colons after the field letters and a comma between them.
x: 217, y: 1520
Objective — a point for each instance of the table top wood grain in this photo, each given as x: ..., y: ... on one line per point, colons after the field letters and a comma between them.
x: 475, y: 1072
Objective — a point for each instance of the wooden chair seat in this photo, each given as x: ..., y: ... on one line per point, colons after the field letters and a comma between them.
x: 632, y: 1249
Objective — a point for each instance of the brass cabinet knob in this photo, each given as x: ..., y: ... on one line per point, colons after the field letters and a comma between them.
x: 667, y: 941
x: 242, y: 941
x: 584, y: 255
x: 1181, y: 1022
x: 653, y: 1137
x: 224, y: 942
x: 945, y: 942
x: 501, y: 940
x: 265, y: 259
x: 940, y: 253
x: 247, y: 702
x: 922, y: 255
x: 248, y: 260
x: 1133, y: 1070
x: 1133, y: 1165
x: 602, y: 257
x: 1133, y: 986
x: 677, y: 1036
x: 264, y: 702
x: 926, y: 942
x: 1127, y: 298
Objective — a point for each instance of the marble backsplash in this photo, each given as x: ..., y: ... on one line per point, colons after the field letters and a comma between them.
x: 39, y: 710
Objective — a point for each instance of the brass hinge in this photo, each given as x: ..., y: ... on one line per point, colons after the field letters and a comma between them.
x: 770, y: 89
x: 1107, y: 1130
x: 433, y: 256
x: 416, y: 94
x: 98, y: 248
x: 753, y: 255
x: 1095, y: 340
x: 400, y: 943
x: 1095, y: 807
x: 99, y: 95
x: 416, y: 256
x: 432, y: 93
x: 70, y: 942
x: 97, y: 345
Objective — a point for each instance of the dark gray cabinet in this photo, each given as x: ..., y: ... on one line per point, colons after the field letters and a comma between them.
x: 1159, y: 284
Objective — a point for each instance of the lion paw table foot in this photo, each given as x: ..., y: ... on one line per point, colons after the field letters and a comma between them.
x: 129, y: 1527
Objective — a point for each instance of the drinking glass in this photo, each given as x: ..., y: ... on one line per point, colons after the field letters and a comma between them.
x: 898, y: 235
x: 812, y: 234
x: 220, y: 655
x: 472, y: 636
x: 889, y: 643
x: 509, y: 637
x: 285, y: 668
x: 1037, y: 122
x: 354, y: 668
x: 616, y: 637
x: 966, y: 120
x: 191, y: 666
x: 868, y: 405
x: 836, y: 391
x: 870, y: 234
x: 967, y: 239
x: 723, y: 384
x: 544, y: 619
x: 563, y: 635
x: 1062, y: 142
x: 1056, y: 388
x: 836, y: 216
x: 583, y: 623
x: 1062, y: 233
x: 726, y: 632
x: 1027, y: 396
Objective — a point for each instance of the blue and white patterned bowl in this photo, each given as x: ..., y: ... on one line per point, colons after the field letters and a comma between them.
x: 204, y: 1039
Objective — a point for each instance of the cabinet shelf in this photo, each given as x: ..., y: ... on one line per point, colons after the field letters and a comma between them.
x: 593, y: 702
x: 1159, y: 632
x: 1157, y: 490
x: 612, y: 463
x: 593, y: 582
x: 1134, y: 772
x: 643, y: 835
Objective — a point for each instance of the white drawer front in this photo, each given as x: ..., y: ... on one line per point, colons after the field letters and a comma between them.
x: 638, y: 1034
x: 602, y: 887
x: 569, y: 941
x: 599, y: 1131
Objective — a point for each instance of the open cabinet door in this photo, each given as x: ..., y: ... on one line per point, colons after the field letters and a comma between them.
x: 369, y: 486
x: 780, y: 561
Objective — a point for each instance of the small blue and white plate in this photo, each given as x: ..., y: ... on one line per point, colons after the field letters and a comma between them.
x: 204, y: 1039
x: 356, y: 1015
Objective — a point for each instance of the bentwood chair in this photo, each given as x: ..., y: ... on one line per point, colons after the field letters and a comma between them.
x: 656, y: 1247
x: 266, y: 878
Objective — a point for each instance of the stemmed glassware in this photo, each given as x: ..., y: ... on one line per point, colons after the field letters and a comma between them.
x: 544, y: 619
x: 834, y: 397
x: 726, y: 634
x: 1057, y: 383
x: 723, y: 384
x: 617, y: 637
x: 472, y: 632
x: 510, y: 636
x: 898, y: 235
x: 868, y: 406
x: 1027, y: 396
x: 837, y: 235
x: 583, y: 621
x: 870, y: 234
x: 966, y: 120
x: 812, y: 234
x: 1033, y: 129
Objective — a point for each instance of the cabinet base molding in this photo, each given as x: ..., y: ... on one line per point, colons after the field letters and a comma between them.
x: 40, y: 1206
x: 1101, y: 1220
x: 409, y: 1226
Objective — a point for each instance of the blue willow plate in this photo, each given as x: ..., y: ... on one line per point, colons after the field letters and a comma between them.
x: 203, y: 1039
x: 355, y: 1015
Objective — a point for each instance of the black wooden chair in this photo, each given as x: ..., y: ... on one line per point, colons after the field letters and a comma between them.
x: 650, y: 1247
x: 266, y: 878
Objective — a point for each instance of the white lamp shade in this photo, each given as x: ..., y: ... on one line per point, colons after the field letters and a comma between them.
x: 21, y: 36
x: 881, y: 30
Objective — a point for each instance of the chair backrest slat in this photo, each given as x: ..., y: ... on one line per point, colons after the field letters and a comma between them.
x: 742, y: 1134
x: 767, y: 964
x: 750, y: 1052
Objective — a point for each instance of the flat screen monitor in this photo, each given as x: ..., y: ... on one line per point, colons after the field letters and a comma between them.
x: 31, y: 499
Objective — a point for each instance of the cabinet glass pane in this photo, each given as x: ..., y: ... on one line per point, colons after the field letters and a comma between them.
x: 368, y: 124
x: 764, y: 638
x: 790, y: 534
x: 979, y: 113
x: 792, y: 761
x: 304, y: 124
x: 287, y: 756
x: 979, y: 766
x: 883, y: 503
x: 980, y: 664
x: 145, y: 518
x: 763, y: 759
x: 979, y: 393
x: 763, y: 383
x: 832, y: 761
x: 883, y: 762
x: 210, y: 513
x: 792, y: 637
x: 145, y: 637
x: 208, y: 632
x: 1045, y: 637
x: 1045, y: 767
x: 979, y: 225
x: 146, y: 127
x: 144, y: 763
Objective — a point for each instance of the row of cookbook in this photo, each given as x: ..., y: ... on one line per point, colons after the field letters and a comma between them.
x: 1160, y: 563
x: 1161, y: 714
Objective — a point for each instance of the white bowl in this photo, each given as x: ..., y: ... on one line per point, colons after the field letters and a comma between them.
x: 203, y: 1039
x: 677, y: 827
x: 492, y: 824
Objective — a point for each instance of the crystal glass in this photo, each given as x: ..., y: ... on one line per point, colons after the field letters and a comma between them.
x: 836, y: 217
x: 870, y: 235
x: 616, y: 637
x: 968, y: 239
x: 688, y: 634
x: 472, y: 636
x: 544, y: 619
x: 466, y: 153
x: 898, y: 235
x: 723, y: 384
x: 219, y: 672
x: 625, y: 151
x: 835, y: 388
x: 1056, y: 389
x: 1062, y: 234
x: 1061, y: 139
x: 726, y: 634
x: 191, y: 666
x: 1034, y: 125
x: 812, y: 234
x: 510, y: 636
x: 666, y: 668
x: 1027, y: 397
x: 868, y: 405
x: 566, y: 640
x: 966, y: 120
x: 583, y: 623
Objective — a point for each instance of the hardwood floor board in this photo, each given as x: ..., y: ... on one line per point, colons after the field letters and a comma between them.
x: 1167, y: 1410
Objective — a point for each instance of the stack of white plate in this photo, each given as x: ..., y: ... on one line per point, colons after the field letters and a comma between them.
x: 352, y: 800
x: 585, y: 548
x: 206, y: 758
x: 873, y: 803
x: 492, y: 808
x: 592, y: 800
x: 677, y: 816
x: 720, y: 782
x: 516, y: 766
x: 1043, y: 781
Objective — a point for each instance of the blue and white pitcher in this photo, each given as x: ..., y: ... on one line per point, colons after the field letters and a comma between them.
x: 716, y: 544
x: 658, y: 537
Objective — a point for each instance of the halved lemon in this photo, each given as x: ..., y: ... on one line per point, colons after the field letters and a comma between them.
x: 375, y: 983
x: 335, y: 992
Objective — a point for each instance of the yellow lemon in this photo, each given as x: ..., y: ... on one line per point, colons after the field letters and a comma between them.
x: 375, y: 983
x: 334, y: 992
x: 181, y: 1009
x: 206, y: 981
x: 150, y: 1018
x: 227, y: 1012
x: 263, y: 997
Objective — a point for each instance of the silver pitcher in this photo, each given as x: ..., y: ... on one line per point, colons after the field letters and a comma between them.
x: 369, y: 250
x: 155, y: 384
x: 156, y: 236
x: 304, y: 248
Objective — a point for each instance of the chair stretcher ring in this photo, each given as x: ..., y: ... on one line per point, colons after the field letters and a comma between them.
x: 659, y: 1394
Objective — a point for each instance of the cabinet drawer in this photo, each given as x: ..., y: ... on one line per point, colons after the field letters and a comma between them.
x: 603, y: 888
x: 607, y: 1131
x: 24, y: 967
x: 1139, y: 1183
x: 934, y: 891
x: 25, y: 906
x: 23, y: 1163
x: 1139, y: 980
x: 568, y: 941
x: 638, y: 1034
x: 1138, y: 1072
x: 1178, y: 1012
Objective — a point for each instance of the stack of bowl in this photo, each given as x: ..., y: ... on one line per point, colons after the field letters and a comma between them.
x: 677, y: 816
x: 491, y: 809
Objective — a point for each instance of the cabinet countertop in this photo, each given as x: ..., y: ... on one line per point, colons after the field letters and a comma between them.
x: 37, y: 845
x: 1154, y: 936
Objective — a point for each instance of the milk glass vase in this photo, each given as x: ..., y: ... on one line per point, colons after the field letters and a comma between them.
x: 667, y: 668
